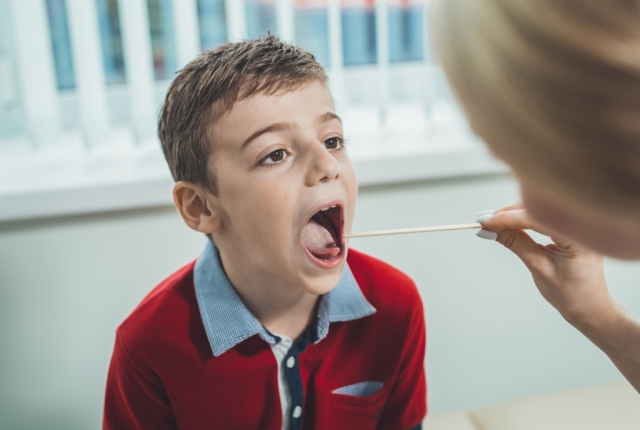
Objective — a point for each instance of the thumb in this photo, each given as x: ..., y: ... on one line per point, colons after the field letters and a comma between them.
x: 521, y: 244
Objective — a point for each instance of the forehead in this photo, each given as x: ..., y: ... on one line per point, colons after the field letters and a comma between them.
x: 301, y: 105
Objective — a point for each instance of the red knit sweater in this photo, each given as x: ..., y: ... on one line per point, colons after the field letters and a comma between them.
x: 163, y: 374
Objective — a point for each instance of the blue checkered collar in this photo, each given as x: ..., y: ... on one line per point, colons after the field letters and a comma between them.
x: 228, y: 322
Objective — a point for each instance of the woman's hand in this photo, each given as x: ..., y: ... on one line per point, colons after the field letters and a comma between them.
x: 569, y: 276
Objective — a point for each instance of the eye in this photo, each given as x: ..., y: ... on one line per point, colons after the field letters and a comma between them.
x: 275, y: 157
x: 333, y: 143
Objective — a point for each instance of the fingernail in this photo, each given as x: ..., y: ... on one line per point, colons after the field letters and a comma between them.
x: 484, y: 218
x: 487, y: 212
x: 487, y: 234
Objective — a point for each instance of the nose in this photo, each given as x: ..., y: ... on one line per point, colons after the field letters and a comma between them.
x: 323, y: 166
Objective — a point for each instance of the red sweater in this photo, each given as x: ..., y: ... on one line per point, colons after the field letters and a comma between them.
x: 163, y: 374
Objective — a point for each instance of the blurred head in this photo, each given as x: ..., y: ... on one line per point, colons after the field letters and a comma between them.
x: 253, y: 141
x: 553, y: 87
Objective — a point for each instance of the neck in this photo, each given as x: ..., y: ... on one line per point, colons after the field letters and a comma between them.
x: 283, y: 309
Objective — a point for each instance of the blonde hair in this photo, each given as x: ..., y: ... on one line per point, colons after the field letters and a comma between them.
x: 553, y: 86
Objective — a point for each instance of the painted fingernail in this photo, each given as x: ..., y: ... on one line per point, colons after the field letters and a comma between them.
x: 487, y: 234
x: 484, y: 218
x: 487, y: 212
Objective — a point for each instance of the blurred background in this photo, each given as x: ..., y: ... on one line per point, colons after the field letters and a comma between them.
x: 87, y: 225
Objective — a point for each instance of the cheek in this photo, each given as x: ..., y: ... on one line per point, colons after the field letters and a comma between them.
x: 255, y: 207
x: 351, y: 186
x: 272, y: 210
x: 554, y: 217
x: 540, y: 211
x: 268, y: 205
x: 352, y: 180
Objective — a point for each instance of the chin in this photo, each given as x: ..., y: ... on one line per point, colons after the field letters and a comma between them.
x: 323, y: 284
x: 602, y: 235
x: 622, y: 248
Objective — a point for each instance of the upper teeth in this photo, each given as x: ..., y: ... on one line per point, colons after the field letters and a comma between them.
x: 328, y: 208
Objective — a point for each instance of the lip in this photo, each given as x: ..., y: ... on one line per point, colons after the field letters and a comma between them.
x: 337, y: 261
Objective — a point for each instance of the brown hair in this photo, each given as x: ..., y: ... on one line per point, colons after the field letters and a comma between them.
x: 554, y: 89
x: 209, y: 86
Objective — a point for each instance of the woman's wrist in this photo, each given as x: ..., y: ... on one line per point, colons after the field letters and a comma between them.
x: 598, y: 322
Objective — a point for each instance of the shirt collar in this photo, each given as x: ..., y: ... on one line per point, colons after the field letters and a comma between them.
x: 227, y: 321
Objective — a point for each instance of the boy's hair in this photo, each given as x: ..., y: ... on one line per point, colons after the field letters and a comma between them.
x: 209, y: 86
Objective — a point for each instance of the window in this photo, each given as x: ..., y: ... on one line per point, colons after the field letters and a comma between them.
x: 261, y: 17
x: 61, y: 44
x: 163, y: 43
x: 406, y: 30
x: 359, y: 32
x: 394, y: 100
x: 111, y: 40
x: 213, y: 25
x: 312, y: 28
x: 10, y: 115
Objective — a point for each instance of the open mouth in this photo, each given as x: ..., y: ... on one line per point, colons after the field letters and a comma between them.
x: 322, y: 235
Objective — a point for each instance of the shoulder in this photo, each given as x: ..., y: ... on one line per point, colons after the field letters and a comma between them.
x: 383, y: 285
x: 371, y: 272
x: 164, y: 313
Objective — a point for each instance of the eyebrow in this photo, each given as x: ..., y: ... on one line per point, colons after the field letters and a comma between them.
x: 329, y: 116
x: 283, y: 126
x: 273, y: 128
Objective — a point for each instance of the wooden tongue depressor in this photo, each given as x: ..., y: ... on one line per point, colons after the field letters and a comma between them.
x: 414, y: 230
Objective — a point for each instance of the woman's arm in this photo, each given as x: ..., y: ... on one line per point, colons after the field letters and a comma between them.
x: 616, y: 333
x: 571, y: 278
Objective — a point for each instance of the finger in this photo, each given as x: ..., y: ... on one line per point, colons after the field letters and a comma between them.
x: 519, y: 219
x: 522, y: 245
x: 515, y: 219
x: 512, y: 207
x: 485, y: 215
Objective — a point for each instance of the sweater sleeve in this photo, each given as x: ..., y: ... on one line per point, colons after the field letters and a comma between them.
x: 134, y: 400
x: 406, y: 405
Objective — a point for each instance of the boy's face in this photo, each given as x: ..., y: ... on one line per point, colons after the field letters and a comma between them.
x: 286, y: 189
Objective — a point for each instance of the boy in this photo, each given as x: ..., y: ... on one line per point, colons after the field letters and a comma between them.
x: 269, y: 328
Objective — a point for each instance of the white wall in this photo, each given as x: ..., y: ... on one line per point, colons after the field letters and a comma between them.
x: 65, y: 285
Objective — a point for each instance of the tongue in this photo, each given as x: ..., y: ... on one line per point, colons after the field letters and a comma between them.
x: 319, y: 241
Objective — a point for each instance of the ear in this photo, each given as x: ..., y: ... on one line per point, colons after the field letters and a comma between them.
x: 193, y: 203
